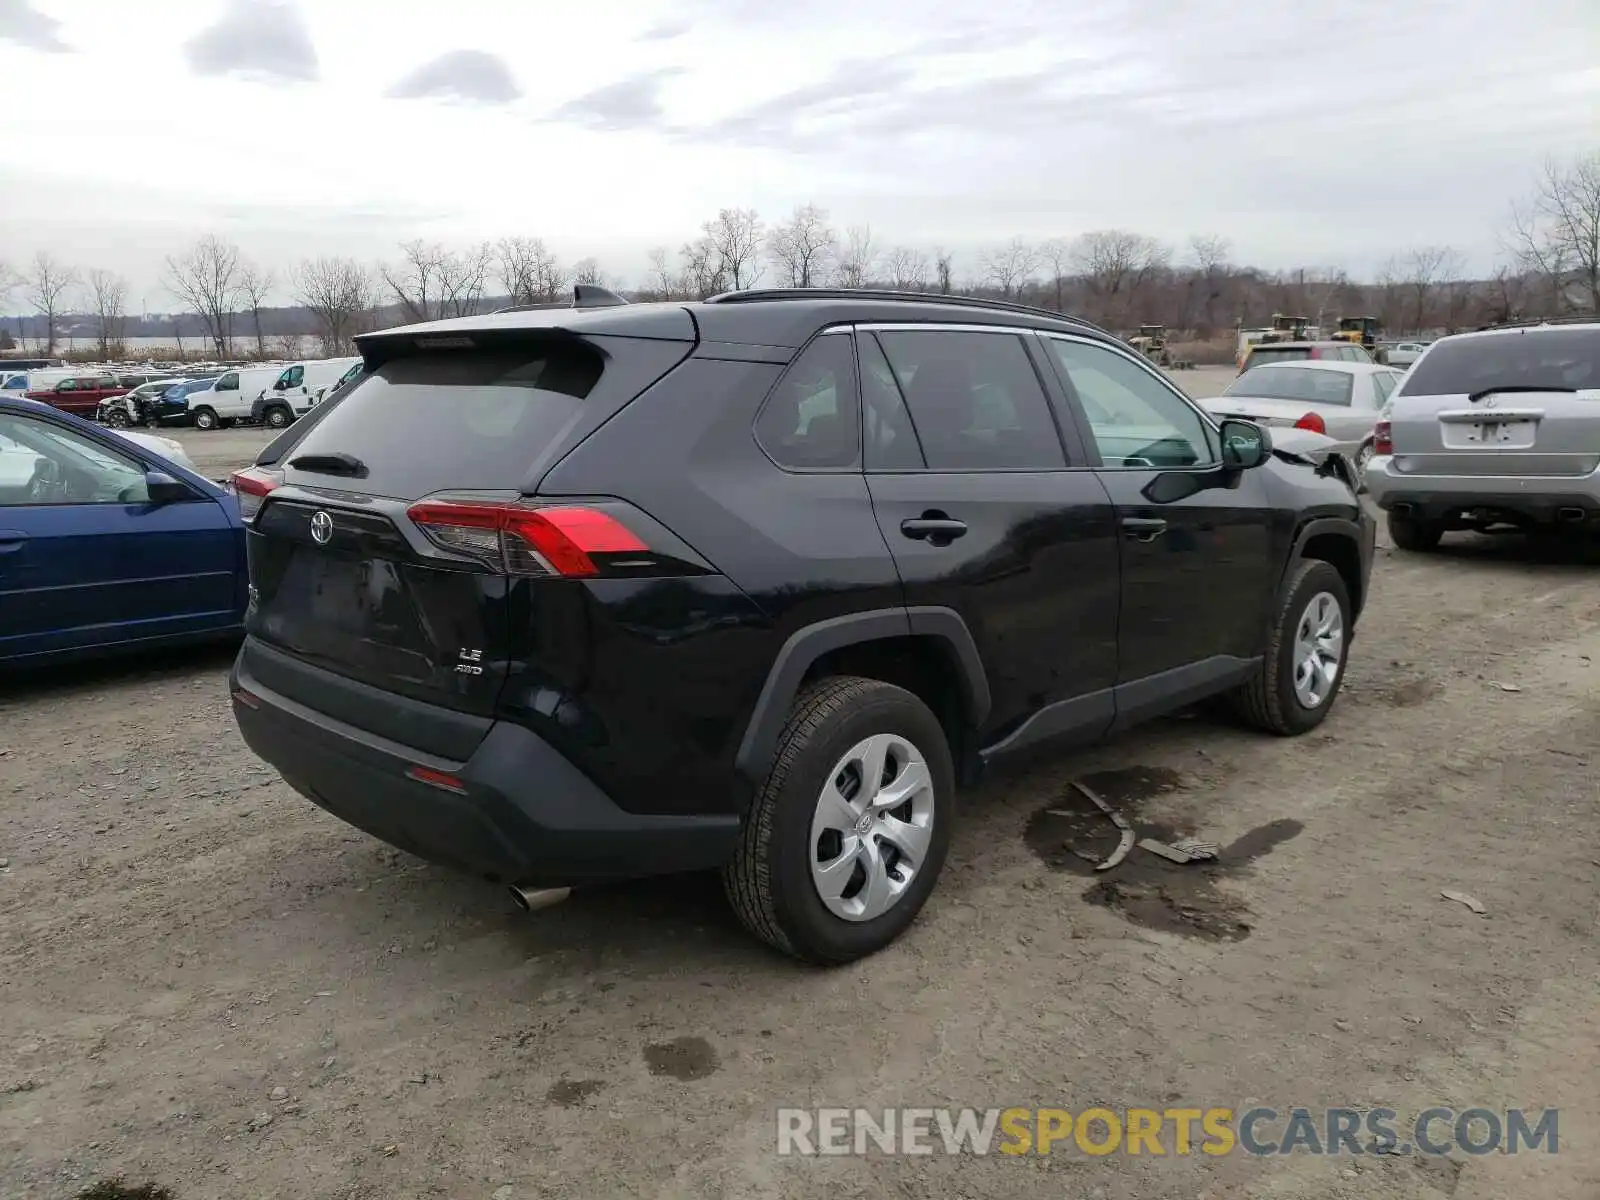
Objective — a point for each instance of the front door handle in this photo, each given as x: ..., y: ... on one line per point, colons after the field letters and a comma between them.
x: 933, y: 527
x: 1143, y: 529
x: 12, y: 540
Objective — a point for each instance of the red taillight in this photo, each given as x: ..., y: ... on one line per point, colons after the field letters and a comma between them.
x: 1312, y: 421
x: 438, y: 779
x: 1382, y: 439
x: 522, y: 539
x: 252, y: 486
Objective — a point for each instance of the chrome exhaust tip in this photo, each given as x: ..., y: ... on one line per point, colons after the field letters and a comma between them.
x: 533, y: 899
x: 1573, y: 515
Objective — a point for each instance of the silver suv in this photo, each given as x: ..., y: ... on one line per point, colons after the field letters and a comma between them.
x: 1499, y: 427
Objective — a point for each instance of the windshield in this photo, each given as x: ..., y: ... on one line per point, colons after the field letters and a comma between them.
x: 1309, y: 385
x: 1561, y: 359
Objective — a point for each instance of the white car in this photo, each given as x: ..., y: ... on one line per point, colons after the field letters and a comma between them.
x: 1405, y: 353
x: 1343, y: 400
x: 168, y: 448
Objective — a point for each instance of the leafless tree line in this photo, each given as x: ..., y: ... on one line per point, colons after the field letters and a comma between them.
x: 1117, y: 278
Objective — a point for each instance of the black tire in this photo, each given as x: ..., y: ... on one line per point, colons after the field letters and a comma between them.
x: 1268, y: 702
x: 117, y: 419
x: 1408, y: 533
x: 204, y: 418
x: 769, y: 881
x: 276, y: 417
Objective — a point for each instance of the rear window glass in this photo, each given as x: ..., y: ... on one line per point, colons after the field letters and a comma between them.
x: 473, y: 421
x: 1268, y: 354
x: 1309, y: 385
x: 1562, y: 359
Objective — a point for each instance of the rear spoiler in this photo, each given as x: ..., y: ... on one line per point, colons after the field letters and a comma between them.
x: 584, y: 295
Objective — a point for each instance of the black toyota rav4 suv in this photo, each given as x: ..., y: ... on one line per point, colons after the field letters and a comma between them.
x: 564, y: 596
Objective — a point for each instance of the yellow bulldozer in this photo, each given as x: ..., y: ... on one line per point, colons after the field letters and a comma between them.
x: 1151, y: 341
x: 1360, y: 331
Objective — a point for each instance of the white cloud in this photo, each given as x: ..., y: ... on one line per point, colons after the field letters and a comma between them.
x: 1330, y: 137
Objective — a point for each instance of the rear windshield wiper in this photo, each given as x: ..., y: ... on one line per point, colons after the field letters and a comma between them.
x: 338, y: 463
x: 1517, y: 387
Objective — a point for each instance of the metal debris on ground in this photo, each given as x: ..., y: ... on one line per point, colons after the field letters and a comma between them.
x: 1508, y: 687
x: 1170, y: 853
x: 1198, y: 851
x: 1124, y: 844
x: 1462, y: 898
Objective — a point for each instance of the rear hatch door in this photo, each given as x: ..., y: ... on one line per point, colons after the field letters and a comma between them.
x: 345, y: 580
x: 1519, y: 402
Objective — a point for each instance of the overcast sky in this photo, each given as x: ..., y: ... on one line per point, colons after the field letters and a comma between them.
x: 1325, y: 134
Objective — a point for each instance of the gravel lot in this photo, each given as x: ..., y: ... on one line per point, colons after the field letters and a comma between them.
x: 207, y: 983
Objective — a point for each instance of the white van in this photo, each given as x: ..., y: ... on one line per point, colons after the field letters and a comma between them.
x: 231, y: 396
x: 299, y: 387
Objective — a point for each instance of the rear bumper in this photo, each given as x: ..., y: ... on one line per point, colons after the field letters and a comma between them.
x: 522, y: 813
x: 1438, y: 497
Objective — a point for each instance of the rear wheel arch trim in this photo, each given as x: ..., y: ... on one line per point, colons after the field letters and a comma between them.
x: 811, y: 642
x: 1339, y: 526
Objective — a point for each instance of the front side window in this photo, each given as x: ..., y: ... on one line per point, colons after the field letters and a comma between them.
x: 975, y: 400
x: 41, y: 463
x: 229, y: 382
x: 1135, y: 419
x: 811, y: 421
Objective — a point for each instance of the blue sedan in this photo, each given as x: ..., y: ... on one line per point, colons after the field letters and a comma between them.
x: 107, y: 546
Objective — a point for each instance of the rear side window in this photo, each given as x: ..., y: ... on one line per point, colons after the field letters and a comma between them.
x: 464, y: 421
x: 976, y: 402
x: 811, y: 421
x: 1560, y: 359
x: 891, y: 438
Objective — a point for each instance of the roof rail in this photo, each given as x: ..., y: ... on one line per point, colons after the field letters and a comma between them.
x: 1532, y: 323
x: 890, y: 294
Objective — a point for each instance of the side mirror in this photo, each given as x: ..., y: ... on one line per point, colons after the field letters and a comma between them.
x: 164, y: 489
x: 1244, y: 445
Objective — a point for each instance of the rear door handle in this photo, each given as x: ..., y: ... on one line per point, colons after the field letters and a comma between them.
x: 12, y: 539
x: 1143, y: 529
x: 933, y: 527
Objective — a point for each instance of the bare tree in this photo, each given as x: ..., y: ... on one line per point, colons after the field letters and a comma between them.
x: 109, y: 293
x: 803, y: 246
x: 1557, y: 231
x: 663, y: 279
x: 1211, y: 253
x: 339, y: 293
x: 1116, y: 265
x: 735, y: 236
x: 255, y: 284
x: 587, y: 271
x: 47, y: 285
x: 286, y: 346
x: 943, y: 262
x: 205, y: 278
x: 1507, y: 295
x: 1424, y: 267
x: 705, y: 272
x: 1056, y: 254
x: 414, y: 280
x: 858, y: 257
x: 907, y: 268
x: 1010, y: 266
x: 461, y: 277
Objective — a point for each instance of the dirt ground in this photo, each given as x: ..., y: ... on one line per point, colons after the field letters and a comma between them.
x: 208, y: 984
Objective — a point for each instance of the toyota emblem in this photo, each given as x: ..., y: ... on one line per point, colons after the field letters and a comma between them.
x: 322, y: 528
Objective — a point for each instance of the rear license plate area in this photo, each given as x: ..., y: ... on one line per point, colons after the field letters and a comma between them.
x: 1490, y: 435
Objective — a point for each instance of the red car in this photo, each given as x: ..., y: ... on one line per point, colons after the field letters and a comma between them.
x: 79, y: 394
